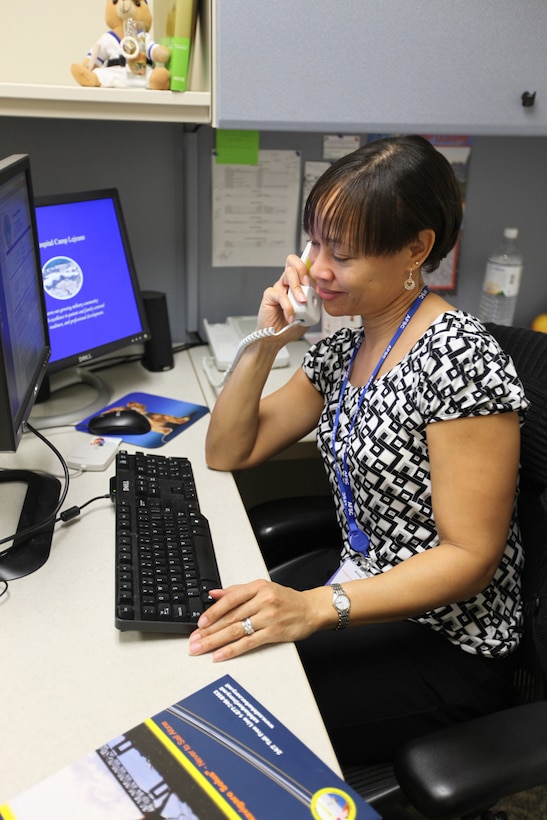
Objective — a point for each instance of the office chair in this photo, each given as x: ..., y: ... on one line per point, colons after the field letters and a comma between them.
x: 464, y: 770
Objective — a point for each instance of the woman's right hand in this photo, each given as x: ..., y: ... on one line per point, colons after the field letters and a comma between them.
x: 276, y: 309
x: 246, y: 429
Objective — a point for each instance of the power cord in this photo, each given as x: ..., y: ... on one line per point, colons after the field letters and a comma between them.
x: 55, y: 517
x: 128, y: 358
x: 52, y: 517
x: 64, y: 517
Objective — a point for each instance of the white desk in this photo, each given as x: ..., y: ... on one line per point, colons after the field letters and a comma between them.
x: 69, y: 679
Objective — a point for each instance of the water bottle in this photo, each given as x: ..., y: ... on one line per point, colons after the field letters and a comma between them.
x: 502, y: 281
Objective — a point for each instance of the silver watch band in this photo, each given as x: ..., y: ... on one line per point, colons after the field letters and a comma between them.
x: 341, y: 603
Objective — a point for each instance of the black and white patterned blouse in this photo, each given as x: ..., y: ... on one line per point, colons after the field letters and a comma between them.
x: 456, y: 369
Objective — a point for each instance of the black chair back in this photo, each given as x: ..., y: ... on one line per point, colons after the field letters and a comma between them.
x: 528, y: 350
x: 465, y: 769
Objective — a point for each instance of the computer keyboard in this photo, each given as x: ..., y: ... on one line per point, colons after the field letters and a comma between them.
x: 165, y: 559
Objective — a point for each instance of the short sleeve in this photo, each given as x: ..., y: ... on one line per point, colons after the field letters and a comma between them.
x: 326, y: 362
x: 466, y: 373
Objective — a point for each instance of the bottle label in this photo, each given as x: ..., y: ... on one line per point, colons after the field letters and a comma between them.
x: 502, y: 280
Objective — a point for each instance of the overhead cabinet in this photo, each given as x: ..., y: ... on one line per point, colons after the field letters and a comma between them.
x: 382, y: 65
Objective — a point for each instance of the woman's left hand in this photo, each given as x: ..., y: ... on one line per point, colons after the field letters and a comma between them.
x: 276, y: 614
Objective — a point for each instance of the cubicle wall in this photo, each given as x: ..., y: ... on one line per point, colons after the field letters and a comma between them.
x: 507, y: 186
x: 163, y: 172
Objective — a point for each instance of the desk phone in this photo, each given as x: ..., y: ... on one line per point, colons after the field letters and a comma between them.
x: 224, y: 339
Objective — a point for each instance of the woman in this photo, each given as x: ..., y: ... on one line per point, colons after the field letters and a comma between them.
x: 418, y: 419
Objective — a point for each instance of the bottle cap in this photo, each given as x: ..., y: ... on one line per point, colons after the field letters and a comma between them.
x: 510, y: 233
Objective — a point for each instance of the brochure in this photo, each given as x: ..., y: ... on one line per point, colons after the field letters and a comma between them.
x: 217, y: 753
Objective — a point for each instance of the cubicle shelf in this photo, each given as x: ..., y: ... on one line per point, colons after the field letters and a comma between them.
x: 26, y: 100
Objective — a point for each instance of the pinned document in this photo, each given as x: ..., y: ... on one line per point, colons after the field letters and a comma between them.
x: 255, y: 210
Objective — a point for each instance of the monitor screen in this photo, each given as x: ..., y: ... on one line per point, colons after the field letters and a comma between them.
x: 93, y: 301
x: 24, y: 341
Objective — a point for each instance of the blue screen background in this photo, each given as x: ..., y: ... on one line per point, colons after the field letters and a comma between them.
x: 88, y: 232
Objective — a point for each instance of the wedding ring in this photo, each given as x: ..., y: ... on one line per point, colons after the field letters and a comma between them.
x: 248, y: 628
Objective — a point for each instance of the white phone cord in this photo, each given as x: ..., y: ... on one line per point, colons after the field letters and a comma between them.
x: 248, y: 340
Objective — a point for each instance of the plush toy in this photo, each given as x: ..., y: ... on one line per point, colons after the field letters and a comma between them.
x: 125, y: 55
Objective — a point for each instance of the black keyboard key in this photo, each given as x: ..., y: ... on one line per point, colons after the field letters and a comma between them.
x: 179, y: 612
x: 125, y: 612
x: 205, y: 559
x: 149, y: 613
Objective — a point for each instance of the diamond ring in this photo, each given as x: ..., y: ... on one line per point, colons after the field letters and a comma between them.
x: 248, y: 628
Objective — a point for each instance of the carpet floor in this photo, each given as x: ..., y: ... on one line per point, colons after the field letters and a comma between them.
x: 529, y: 805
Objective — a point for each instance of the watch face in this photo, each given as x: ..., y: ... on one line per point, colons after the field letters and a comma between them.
x: 341, y: 602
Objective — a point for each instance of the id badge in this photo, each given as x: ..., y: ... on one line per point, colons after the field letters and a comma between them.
x: 350, y: 571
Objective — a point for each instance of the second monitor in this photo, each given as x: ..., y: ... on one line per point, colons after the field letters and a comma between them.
x: 93, y: 301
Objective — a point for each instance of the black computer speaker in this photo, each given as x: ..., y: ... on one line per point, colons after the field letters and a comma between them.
x: 158, y: 350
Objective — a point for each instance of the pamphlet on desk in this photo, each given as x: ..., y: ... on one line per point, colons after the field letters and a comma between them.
x: 217, y: 753
x: 167, y: 418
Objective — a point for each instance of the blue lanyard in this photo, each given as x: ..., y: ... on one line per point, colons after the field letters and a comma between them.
x: 358, y: 540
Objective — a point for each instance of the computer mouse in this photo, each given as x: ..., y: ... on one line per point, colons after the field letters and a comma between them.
x: 119, y: 422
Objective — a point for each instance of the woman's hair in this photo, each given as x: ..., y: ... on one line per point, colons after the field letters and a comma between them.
x: 377, y: 199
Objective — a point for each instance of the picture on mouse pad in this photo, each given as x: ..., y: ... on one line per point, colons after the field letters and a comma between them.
x: 143, y: 419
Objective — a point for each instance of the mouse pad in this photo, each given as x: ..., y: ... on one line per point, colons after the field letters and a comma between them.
x: 167, y: 417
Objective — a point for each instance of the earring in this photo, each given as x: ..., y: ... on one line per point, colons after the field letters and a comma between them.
x: 409, y: 283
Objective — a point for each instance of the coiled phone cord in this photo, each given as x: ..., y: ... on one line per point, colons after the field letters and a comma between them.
x: 255, y: 336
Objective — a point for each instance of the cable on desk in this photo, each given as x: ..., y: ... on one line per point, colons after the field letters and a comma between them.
x: 113, y: 361
x: 64, y: 517
x: 127, y: 358
x: 73, y: 512
x: 52, y: 517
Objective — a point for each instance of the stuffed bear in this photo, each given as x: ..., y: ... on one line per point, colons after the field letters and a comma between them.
x: 111, y: 62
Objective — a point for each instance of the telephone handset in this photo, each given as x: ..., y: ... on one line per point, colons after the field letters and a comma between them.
x: 305, y: 313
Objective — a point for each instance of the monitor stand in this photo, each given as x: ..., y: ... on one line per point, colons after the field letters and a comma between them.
x: 29, y: 553
x: 82, y: 392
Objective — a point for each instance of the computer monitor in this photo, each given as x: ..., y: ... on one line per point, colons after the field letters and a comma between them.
x: 24, y: 338
x: 24, y: 355
x: 93, y: 301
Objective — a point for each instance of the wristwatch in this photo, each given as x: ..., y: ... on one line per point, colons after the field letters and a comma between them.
x: 342, y: 604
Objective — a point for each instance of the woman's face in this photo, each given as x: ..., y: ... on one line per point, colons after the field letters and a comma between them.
x: 352, y: 285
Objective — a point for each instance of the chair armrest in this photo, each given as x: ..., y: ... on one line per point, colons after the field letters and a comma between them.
x: 290, y: 527
x: 472, y: 765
